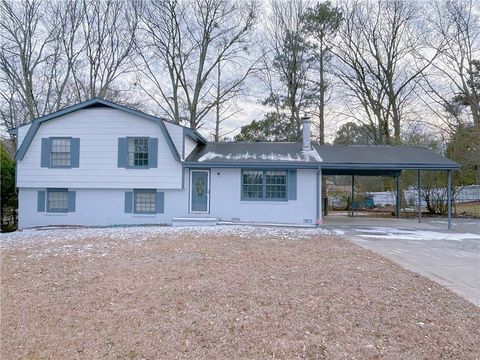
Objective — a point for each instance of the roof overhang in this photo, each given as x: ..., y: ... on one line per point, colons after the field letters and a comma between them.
x: 251, y: 165
x: 381, y: 169
x: 194, y: 135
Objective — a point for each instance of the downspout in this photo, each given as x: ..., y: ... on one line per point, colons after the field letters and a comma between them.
x: 319, y: 194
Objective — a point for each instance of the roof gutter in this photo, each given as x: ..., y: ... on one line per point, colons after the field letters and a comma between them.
x: 390, y: 166
x: 270, y: 165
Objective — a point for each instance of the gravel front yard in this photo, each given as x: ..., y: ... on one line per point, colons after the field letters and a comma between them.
x: 220, y: 293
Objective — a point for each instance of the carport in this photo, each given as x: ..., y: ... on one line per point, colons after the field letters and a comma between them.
x: 385, y: 160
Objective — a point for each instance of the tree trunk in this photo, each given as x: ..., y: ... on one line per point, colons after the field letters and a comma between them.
x: 474, y: 107
x: 321, y: 110
x: 217, y: 106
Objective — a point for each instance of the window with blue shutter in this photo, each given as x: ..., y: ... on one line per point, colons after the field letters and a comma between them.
x: 152, y: 152
x: 144, y: 201
x: 41, y: 196
x: 60, y: 152
x: 160, y: 202
x: 45, y: 154
x: 71, y: 201
x: 292, y: 184
x: 128, y: 201
x: 57, y: 200
x: 75, y: 152
x: 122, y: 153
x: 137, y: 152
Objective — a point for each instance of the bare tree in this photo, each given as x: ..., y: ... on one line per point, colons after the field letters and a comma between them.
x: 225, y: 107
x: 190, y: 40
x: 382, y: 54
x: 108, y: 33
x: 27, y: 60
x: 54, y: 53
x: 450, y: 84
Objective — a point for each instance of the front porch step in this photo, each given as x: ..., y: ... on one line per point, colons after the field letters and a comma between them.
x: 194, y: 221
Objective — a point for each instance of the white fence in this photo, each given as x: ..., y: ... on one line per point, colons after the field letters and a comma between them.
x: 382, y: 198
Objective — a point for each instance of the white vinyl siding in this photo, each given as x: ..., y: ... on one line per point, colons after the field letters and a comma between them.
x: 99, y: 130
x: 226, y: 200
x: 107, y: 206
x: 99, y: 207
x: 190, y: 145
x: 176, y: 134
x: 21, y: 132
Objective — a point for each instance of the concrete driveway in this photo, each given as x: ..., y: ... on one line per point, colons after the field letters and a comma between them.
x: 449, y: 257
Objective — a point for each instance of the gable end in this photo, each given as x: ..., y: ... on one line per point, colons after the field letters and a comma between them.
x: 32, y: 131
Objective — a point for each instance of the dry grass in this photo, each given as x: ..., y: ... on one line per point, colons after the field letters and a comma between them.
x: 469, y: 208
x: 226, y: 297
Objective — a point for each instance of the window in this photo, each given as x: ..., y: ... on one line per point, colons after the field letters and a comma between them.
x: 144, y: 201
x: 276, y: 185
x: 252, y: 185
x: 264, y: 185
x: 60, y: 152
x: 57, y: 200
x: 138, y: 152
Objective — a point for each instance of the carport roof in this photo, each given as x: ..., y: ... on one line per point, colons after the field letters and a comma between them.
x: 333, y: 159
x: 355, y: 159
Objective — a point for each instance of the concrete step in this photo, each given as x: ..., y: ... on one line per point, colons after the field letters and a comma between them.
x: 194, y: 221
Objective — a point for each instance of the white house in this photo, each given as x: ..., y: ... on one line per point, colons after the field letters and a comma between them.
x: 100, y: 163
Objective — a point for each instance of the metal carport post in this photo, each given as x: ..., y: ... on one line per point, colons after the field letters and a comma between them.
x: 419, y: 185
x: 353, y: 192
x: 397, y: 204
x: 449, y: 198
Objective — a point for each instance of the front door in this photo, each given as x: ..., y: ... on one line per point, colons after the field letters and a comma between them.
x: 199, y: 191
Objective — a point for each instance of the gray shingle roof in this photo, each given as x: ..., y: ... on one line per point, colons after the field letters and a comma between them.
x: 254, y: 153
x: 387, y: 156
x: 329, y: 157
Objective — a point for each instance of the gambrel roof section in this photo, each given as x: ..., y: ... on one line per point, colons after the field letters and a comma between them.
x: 98, y: 102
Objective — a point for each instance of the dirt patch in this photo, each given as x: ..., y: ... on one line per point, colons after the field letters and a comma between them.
x: 254, y: 294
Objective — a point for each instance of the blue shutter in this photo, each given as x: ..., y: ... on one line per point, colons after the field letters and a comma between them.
x: 160, y: 202
x: 45, y: 155
x: 41, y: 201
x: 71, y: 201
x: 122, y: 152
x: 128, y: 201
x: 75, y: 152
x: 292, y: 184
x: 152, y: 152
